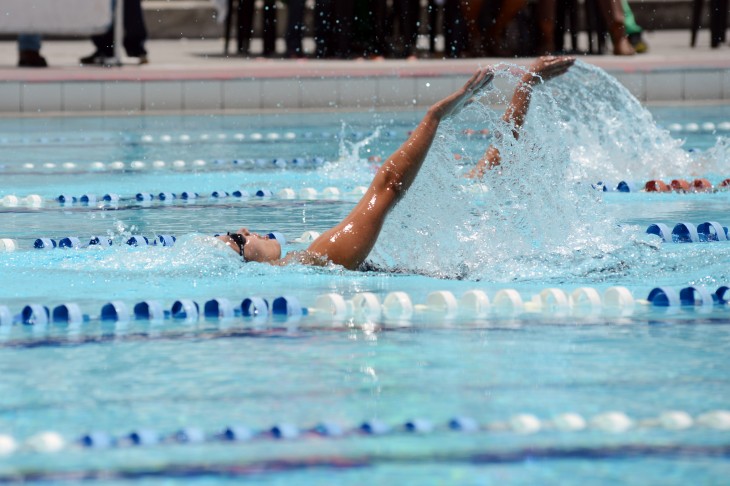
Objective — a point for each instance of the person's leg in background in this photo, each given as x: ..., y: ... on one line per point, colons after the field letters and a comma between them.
x: 411, y: 22
x: 381, y: 26
x: 471, y: 11
x: 546, y: 27
x: 323, y: 28
x: 135, y: 35
x: 508, y: 10
x: 454, y: 31
x: 613, y: 13
x: 269, y: 25
x: 244, y: 25
x: 295, y: 28
x: 29, y: 51
x: 344, y: 12
x: 135, y: 32
x: 633, y: 30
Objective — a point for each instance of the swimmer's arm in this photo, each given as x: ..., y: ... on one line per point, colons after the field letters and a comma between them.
x: 350, y: 242
x: 542, y: 70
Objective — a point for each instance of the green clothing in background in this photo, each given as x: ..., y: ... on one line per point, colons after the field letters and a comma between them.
x: 629, y: 21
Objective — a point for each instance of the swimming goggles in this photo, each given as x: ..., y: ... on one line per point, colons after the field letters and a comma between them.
x: 240, y: 240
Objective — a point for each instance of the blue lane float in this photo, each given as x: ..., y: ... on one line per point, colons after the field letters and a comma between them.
x: 150, y: 310
x: 664, y: 297
x: 143, y: 437
x: 35, y: 315
x: 185, y: 310
x: 97, y: 440
x: 723, y: 295
x: 45, y: 244
x: 287, y: 307
x: 220, y: 308
x: 686, y: 232
x: 256, y: 307
x: 69, y: 313
x: 712, y: 231
x: 69, y: 242
x: 165, y: 240
x: 115, y: 311
x: 101, y: 241
x: 697, y: 297
x: 138, y: 241
x: 237, y: 433
x: 87, y: 199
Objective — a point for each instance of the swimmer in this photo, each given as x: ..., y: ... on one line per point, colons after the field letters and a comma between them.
x: 349, y: 243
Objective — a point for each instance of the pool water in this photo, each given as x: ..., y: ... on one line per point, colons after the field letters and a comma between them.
x: 537, y: 224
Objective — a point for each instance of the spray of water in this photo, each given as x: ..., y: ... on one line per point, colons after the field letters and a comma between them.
x: 610, y: 134
x: 540, y: 218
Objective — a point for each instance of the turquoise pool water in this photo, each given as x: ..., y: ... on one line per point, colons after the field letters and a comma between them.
x: 516, y: 375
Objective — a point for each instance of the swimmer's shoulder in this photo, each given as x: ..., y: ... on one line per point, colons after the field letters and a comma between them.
x: 304, y: 257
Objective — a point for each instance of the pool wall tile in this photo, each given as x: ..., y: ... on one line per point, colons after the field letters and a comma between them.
x: 635, y: 83
x: 395, y: 91
x: 163, y: 95
x: 10, y: 97
x: 319, y: 93
x: 358, y: 93
x: 41, y: 97
x: 705, y: 85
x: 202, y: 95
x: 665, y: 86
x: 726, y: 85
x: 82, y: 96
x: 122, y: 96
x: 280, y: 94
x: 430, y: 90
x: 242, y: 94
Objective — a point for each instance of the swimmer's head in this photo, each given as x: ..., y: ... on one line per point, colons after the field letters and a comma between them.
x: 255, y: 248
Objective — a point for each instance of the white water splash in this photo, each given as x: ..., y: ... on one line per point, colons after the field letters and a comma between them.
x: 540, y: 218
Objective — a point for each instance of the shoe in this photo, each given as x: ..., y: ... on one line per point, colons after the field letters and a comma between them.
x: 143, y: 59
x: 31, y: 59
x: 96, y: 59
x: 639, y: 45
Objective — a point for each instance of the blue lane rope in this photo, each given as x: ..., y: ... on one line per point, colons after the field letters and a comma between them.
x: 116, y: 201
x: 524, y: 424
x: 74, y: 242
x: 397, y: 306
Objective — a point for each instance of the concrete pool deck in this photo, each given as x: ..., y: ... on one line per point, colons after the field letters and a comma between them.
x: 193, y: 75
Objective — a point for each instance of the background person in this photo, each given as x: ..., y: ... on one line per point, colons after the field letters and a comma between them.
x: 29, y: 51
x: 135, y: 35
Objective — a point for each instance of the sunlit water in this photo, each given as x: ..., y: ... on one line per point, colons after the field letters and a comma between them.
x: 536, y: 222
